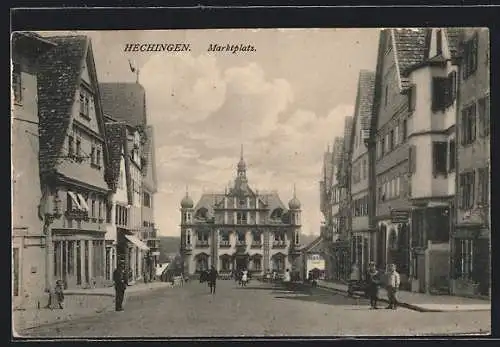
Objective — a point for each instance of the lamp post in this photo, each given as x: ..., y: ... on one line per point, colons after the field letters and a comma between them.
x: 52, y: 212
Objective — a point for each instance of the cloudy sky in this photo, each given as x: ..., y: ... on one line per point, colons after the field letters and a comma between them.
x: 285, y: 103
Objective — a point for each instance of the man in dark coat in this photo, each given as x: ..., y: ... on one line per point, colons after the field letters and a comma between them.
x: 373, y: 280
x: 120, y: 282
x: 212, y: 279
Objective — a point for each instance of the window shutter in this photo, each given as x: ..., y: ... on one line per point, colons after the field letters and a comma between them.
x: 414, y: 159
x: 453, y: 85
x: 474, y: 53
x: 480, y: 185
x: 435, y: 158
x: 412, y: 95
x: 461, y: 191
x: 473, y: 190
x: 410, y: 159
x: 472, y: 120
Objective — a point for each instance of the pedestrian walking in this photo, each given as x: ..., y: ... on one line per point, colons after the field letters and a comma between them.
x: 393, y: 283
x: 372, y: 284
x: 59, y: 291
x: 120, y: 282
x: 212, y: 279
x: 287, y: 279
x: 244, y: 277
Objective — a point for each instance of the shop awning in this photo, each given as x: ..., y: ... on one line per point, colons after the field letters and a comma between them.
x: 137, y: 242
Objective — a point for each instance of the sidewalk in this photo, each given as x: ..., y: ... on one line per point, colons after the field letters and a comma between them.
x: 77, y: 304
x: 423, y: 302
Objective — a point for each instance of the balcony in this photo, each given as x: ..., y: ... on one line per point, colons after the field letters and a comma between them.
x: 77, y: 215
x: 256, y: 244
x: 241, y: 243
x: 225, y: 244
x: 279, y: 244
x: 201, y: 244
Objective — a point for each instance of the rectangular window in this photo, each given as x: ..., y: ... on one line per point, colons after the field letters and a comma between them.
x: 470, y: 57
x: 396, y: 136
x: 147, y: 200
x: 84, y: 103
x: 71, y: 146
x: 398, y: 185
x: 451, y: 156
x: 92, y: 155
x: 78, y: 262
x: 78, y: 147
x: 439, y: 158
x: 71, y: 258
x: 439, y: 93
x: 392, y: 142
x: 57, y: 259
x: 412, y: 98
x: 382, y: 146
x: 98, y: 157
x: 17, y: 84
x: 92, y: 208
x: 452, y: 88
x: 483, y: 186
x: 483, y: 111
x: 469, y: 124
x: 467, y: 187
x: 465, y: 260
x: 439, y: 42
x: 86, y: 262
x: 241, y: 218
x: 404, y: 130
x: 412, y: 159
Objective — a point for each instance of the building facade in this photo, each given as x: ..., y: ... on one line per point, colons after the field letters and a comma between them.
x: 471, y: 240
x: 361, y: 238
x: 73, y: 162
x: 329, y: 206
x: 342, y: 247
x: 126, y: 102
x: 149, y: 189
x: 240, y: 228
x: 28, y: 237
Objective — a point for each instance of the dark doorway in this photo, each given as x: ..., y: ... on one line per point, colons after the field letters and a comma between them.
x: 241, y: 263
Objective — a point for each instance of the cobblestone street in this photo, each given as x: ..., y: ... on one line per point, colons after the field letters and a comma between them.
x: 258, y: 310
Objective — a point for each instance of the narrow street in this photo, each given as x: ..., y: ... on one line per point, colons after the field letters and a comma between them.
x: 259, y: 310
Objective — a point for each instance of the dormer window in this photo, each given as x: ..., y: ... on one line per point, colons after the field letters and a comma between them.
x: 84, y: 102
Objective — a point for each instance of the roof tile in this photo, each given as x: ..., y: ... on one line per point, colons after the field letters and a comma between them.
x: 366, y: 89
x: 58, y: 78
x: 124, y: 101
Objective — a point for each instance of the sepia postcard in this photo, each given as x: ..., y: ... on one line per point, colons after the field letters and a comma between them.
x: 251, y: 183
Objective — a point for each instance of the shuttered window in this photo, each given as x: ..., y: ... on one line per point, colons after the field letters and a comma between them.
x: 439, y: 158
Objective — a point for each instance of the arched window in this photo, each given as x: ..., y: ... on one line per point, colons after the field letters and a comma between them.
x: 297, y: 240
x: 202, y: 262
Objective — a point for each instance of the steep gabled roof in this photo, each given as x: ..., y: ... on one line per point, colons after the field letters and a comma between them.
x: 364, y: 102
x: 58, y: 79
x: 315, y: 243
x: 124, y: 101
x: 117, y: 141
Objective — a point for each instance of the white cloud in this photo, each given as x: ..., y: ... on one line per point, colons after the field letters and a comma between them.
x: 181, y: 87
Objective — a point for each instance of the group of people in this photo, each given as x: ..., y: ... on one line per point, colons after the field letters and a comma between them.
x: 210, y: 277
x: 375, y: 279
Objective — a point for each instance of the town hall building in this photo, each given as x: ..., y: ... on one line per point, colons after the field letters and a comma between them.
x: 240, y: 229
